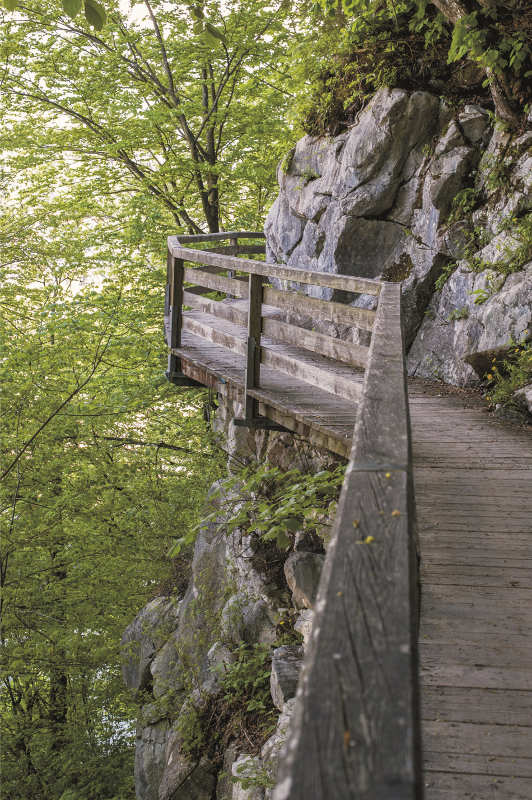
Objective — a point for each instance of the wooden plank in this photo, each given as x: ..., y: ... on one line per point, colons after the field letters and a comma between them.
x: 309, y: 434
x: 239, y: 250
x: 176, y: 301
x: 474, y: 575
x: 338, y: 379
x: 487, y: 740
x: 345, y: 283
x: 354, y: 732
x: 300, y: 303
x: 317, y: 374
x: 217, y: 308
x: 349, y: 353
x: 468, y: 704
x: 474, y: 763
x: 218, y: 283
x: 217, y: 237
x: 479, y: 677
x: 329, y: 416
x: 480, y: 652
x: 216, y: 335
x: 461, y: 786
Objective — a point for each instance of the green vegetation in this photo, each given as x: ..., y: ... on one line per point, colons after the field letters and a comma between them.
x: 275, y: 504
x: 386, y: 43
x: 510, y: 374
x: 242, y: 711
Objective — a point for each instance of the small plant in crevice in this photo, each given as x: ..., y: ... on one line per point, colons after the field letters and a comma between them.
x: 458, y: 314
x: 275, y: 504
x: 510, y: 374
x: 241, y: 712
x: 253, y: 776
x: 445, y: 274
x: 464, y: 203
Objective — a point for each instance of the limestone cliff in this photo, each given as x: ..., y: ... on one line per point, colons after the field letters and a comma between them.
x: 419, y: 193
x: 179, y: 652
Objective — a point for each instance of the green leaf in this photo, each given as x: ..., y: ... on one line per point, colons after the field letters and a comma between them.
x: 72, y: 7
x: 212, y: 32
x: 196, y: 12
x: 10, y: 4
x: 95, y: 14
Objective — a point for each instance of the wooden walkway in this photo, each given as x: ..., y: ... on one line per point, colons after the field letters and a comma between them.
x: 356, y: 730
x: 473, y: 484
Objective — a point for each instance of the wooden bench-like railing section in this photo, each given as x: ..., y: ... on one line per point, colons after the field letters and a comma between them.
x: 355, y: 731
x: 245, y: 279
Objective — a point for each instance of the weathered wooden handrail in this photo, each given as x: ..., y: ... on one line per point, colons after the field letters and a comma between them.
x: 355, y: 731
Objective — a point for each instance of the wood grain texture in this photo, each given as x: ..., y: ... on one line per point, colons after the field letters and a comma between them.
x: 335, y: 377
x: 473, y: 479
x: 328, y: 420
x: 218, y: 283
x: 354, y: 733
x: 253, y: 351
x: 345, y: 283
x: 196, y: 238
x: 300, y: 303
x: 349, y: 353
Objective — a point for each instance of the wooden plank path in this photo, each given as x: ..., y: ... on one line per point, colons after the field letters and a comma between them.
x: 473, y: 484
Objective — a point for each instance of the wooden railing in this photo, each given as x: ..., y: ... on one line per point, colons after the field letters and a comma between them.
x: 355, y: 730
x: 246, y: 279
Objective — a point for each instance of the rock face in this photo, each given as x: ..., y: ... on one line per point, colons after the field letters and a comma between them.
x: 459, y: 330
x: 144, y: 637
x: 383, y: 200
x: 176, y: 652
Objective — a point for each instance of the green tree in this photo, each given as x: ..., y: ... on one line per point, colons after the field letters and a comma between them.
x: 102, y: 460
x: 176, y: 101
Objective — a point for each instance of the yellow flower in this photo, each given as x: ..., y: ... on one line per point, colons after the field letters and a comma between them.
x: 489, y: 376
x: 396, y: 513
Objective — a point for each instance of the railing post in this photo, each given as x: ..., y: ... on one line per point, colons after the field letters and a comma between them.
x: 253, y: 353
x: 174, y: 275
x: 233, y: 242
x: 251, y: 417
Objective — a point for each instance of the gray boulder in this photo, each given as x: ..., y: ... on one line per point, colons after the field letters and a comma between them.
x: 184, y: 778
x: 302, y: 572
x: 246, y: 771
x: 272, y: 748
x: 523, y: 398
x: 458, y: 331
x: 144, y: 637
x: 286, y: 665
x: 303, y: 625
x: 150, y: 759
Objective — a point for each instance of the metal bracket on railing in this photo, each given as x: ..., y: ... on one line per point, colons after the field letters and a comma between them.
x: 180, y: 379
x: 259, y: 423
